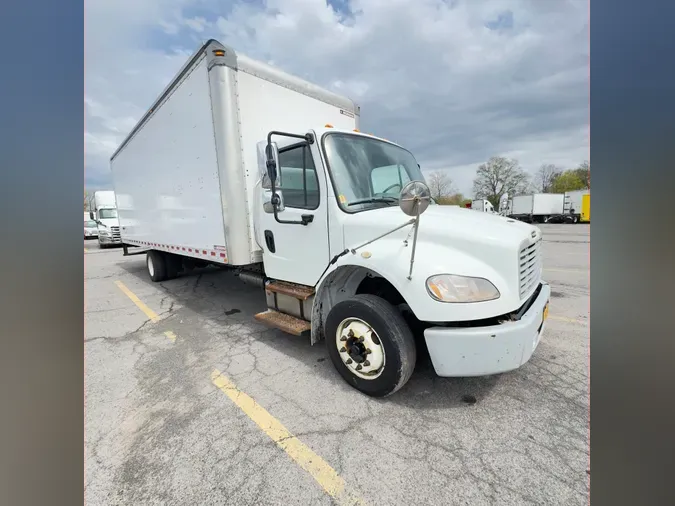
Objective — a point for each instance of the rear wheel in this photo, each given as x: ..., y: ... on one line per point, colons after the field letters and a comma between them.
x: 156, y: 264
x: 370, y: 345
x: 173, y: 265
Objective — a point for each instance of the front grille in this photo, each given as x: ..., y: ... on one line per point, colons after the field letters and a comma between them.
x: 529, y: 268
x: 116, y: 233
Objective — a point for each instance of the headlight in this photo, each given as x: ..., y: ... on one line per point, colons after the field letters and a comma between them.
x: 103, y: 232
x: 451, y: 288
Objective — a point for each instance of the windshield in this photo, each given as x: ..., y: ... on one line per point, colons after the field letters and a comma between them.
x: 368, y: 172
x: 89, y: 224
x: 107, y: 213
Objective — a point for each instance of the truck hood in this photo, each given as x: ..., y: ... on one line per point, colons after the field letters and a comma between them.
x: 454, y: 227
x: 110, y: 222
x: 450, y: 240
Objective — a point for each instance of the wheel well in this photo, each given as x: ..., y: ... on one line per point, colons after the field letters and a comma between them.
x: 343, y: 283
x: 377, y: 285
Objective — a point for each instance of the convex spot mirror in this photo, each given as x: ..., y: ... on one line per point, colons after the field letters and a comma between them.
x: 414, y: 198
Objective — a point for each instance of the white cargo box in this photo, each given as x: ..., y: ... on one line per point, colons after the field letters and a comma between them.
x: 573, y: 200
x: 547, y: 204
x: 539, y: 204
x: 185, y: 175
x: 522, y: 205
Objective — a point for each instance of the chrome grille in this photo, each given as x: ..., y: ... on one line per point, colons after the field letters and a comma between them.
x: 529, y: 268
x: 115, y: 233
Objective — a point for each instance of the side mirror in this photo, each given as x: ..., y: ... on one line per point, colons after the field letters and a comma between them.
x: 91, y: 215
x: 273, y: 200
x: 272, y: 162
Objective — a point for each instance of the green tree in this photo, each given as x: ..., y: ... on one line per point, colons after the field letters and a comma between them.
x: 567, y: 181
x: 499, y: 175
x: 583, y: 172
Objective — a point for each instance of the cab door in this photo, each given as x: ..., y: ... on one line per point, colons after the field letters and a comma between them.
x: 295, y: 252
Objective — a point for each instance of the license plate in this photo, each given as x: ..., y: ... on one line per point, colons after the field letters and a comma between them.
x: 545, y: 314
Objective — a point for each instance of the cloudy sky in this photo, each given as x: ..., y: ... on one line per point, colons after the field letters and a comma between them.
x: 454, y: 81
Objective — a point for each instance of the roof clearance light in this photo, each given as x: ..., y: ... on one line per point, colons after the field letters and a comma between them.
x: 357, y: 130
x: 219, y: 52
x: 328, y: 125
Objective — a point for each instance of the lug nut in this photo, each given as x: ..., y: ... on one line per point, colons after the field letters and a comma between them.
x: 361, y: 339
x: 358, y: 367
x: 343, y: 338
x: 351, y: 333
x: 349, y: 360
x: 368, y: 351
x: 366, y: 363
x: 343, y: 349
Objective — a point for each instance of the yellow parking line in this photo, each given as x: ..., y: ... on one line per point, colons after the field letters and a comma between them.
x: 568, y: 320
x: 319, y: 469
x: 148, y: 312
x: 170, y: 335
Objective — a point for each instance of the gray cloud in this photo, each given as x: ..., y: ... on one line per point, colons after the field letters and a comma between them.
x: 430, y: 75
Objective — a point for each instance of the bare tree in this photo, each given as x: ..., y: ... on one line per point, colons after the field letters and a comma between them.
x: 545, y: 177
x: 499, y: 175
x: 440, y: 185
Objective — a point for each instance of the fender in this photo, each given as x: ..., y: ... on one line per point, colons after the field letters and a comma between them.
x: 389, y: 258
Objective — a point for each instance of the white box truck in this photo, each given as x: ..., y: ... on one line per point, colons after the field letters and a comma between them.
x: 537, y: 208
x: 573, y: 204
x: 105, y: 216
x: 482, y: 205
x: 242, y: 165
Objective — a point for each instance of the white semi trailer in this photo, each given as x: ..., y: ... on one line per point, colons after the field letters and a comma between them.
x: 242, y: 165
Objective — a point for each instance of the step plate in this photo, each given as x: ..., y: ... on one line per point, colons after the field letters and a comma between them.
x: 284, y: 322
x: 299, y: 292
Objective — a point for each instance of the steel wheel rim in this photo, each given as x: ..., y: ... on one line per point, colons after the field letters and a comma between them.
x: 360, y: 348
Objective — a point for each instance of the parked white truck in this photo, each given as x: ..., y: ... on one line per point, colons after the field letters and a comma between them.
x: 573, y: 204
x: 240, y: 164
x: 105, y: 215
x: 537, y: 208
x: 482, y: 205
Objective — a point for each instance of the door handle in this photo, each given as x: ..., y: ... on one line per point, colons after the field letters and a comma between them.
x: 307, y: 219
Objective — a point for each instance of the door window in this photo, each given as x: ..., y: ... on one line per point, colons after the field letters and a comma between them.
x: 297, y: 178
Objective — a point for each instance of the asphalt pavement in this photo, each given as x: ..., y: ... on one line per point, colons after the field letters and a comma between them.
x: 189, y: 400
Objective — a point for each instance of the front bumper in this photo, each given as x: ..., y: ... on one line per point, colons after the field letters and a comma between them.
x: 106, y: 239
x: 480, y: 351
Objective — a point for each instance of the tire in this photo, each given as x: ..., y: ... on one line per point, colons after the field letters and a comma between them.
x: 155, y: 262
x: 396, y: 341
x: 173, y: 265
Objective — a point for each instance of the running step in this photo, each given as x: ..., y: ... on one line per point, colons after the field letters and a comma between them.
x: 300, y: 292
x: 284, y: 322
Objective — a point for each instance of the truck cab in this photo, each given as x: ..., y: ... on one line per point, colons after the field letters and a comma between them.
x: 363, y: 274
x: 106, y: 218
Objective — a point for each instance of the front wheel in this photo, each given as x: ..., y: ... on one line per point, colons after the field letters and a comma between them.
x: 370, y: 345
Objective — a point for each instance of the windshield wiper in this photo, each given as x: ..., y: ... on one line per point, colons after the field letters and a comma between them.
x: 372, y: 200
